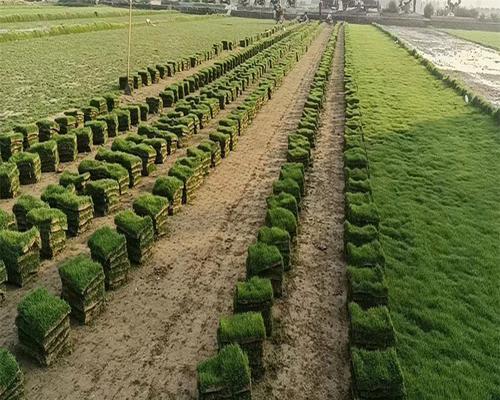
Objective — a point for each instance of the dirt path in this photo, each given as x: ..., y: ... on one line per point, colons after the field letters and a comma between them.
x: 156, y: 329
x: 478, y: 66
x: 308, y: 359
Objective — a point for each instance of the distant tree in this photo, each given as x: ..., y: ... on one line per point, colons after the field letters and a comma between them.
x: 495, y: 17
x: 392, y: 7
x: 428, y: 10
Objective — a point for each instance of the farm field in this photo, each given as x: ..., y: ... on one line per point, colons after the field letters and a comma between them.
x: 51, y: 74
x: 489, y: 39
x: 478, y: 67
x: 159, y: 326
x: 434, y: 162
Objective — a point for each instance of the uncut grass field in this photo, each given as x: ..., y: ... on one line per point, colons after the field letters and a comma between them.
x: 43, y: 76
x: 435, y: 163
x: 489, y: 39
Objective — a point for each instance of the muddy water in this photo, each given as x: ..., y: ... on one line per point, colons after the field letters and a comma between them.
x: 476, y: 65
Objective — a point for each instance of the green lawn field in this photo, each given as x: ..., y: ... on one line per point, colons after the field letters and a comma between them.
x: 489, y: 39
x: 435, y: 163
x: 43, y: 76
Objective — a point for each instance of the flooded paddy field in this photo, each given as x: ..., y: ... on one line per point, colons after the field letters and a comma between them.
x: 477, y: 66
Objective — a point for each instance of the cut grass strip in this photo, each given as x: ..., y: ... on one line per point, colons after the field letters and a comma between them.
x: 434, y: 163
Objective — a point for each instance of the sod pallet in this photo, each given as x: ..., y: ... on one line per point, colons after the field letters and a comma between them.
x: 84, y: 139
x: 284, y: 200
x: 154, y: 132
x: 282, y: 218
x: 256, y: 295
x: 105, y: 194
x: 371, y: 329
x: 46, y: 129
x: 29, y: 166
x: 82, y: 287
x: 249, y: 332
x: 280, y: 238
x: 23, y: 205
x: 7, y: 220
x: 43, y: 326
x: 77, y: 114
x: 225, y: 376
x: 131, y: 163
x: 66, y: 123
x: 213, y: 149
x: 29, y: 132
x: 52, y: 225
x: 223, y: 140
x: 99, y: 130
x: 377, y: 375
x: 9, y: 180
x: 111, y: 121
x: 156, y: 207
x: 49, y: 155
x: 139, y: 233
x: 367, y: 286
x: 10, y: 143
x: 171, y: 188
x: 161, y: 148
x: 104, y: 170
x: 109, y: 248
x: 67, y: 147
x: 146, y: 153
x: 265, y: 261
x: 20, y: 252
x: 11, y: 377
x: 79, y: 210
x: 197, y: 168
x: 79, y: 181
x: 184, y: 174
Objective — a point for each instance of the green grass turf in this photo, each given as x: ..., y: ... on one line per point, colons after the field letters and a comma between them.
x: 8, y: 369
x: 80, y: 272
x: 39, y: 87
x: 41, y: 311
x: 434, y: 163
x: 488, y: 39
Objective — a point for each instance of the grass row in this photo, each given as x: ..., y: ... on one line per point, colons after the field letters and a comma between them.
x: 91, y: 62
x: 376, y: 370
x: 51, y: 13
x: 433, y: 166
x: 43, y: 319
x: 241, y: 336
x: 96, y: 188
x: 77, y: 130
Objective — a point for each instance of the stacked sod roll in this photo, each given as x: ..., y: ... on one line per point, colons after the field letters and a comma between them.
x: 11, y: 377
x: 79, y: 209
x: 109, y: 248
x: 82, y: 287
x: 375, y: 365
x: 52, y: 225
x: 43, y: 326
x: 20, y: 252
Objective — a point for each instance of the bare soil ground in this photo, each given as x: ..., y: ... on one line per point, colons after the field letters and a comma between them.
x: 157, y: 328
x: 308, y: 359
x: 478, y: 66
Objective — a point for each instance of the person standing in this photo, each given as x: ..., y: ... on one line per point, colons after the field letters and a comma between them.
x: 320, y: 8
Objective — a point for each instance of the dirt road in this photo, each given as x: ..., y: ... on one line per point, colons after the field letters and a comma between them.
x: 309, y: 360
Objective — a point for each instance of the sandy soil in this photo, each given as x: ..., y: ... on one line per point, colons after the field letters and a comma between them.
x: 476, y: 65
x: 308, y: 359
x: 157, y: 328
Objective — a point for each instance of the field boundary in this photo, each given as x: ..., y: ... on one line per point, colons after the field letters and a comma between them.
x: 456, y: 84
